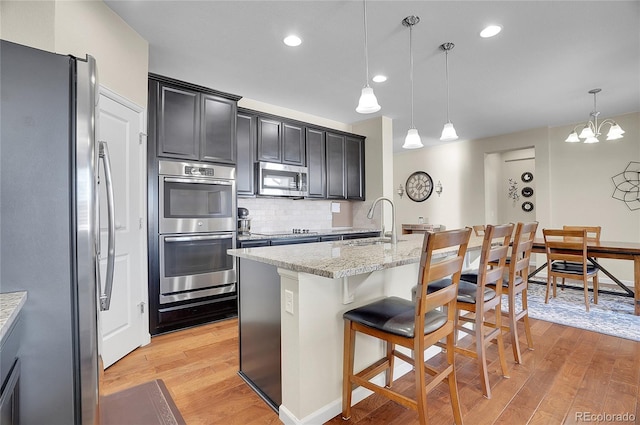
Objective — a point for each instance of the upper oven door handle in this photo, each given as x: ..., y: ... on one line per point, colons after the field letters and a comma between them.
x: 203, y: 181
x: 196, y: 238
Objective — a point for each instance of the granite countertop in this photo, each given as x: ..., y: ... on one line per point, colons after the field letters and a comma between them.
x: 10, y: 305
x: 343, y: 258
x: 322, y: 232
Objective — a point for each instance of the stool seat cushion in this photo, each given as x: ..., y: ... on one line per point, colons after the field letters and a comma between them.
x: 395, y: 315
x: 572, y: 267
x: 466, y: 290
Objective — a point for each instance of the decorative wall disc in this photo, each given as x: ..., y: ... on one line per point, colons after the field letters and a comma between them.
x: 526, y: 177
x: 527, y: 192
x: 627, y: 186
x: 527, y: 206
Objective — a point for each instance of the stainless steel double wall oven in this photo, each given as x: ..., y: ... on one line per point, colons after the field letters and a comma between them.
x: 197, y: 224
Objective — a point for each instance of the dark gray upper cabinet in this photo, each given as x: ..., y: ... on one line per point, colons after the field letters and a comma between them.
x: 293, y: 144
x: 269, y: 140
x: 178, y: 122
x: 345, y: 167
x: 315, y: 148
x: 245, y: 169
x: 280, y: 141
x: 192, y: 122
x: 218, y: 129
x: 354, y: 167
x: 335, y: 166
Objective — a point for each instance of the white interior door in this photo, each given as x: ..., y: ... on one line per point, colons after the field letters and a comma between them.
x: 125, y: 326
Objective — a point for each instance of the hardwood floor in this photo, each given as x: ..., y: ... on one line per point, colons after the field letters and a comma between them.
x: 571, y: 372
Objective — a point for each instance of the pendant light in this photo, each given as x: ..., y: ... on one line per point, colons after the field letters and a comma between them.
x: 448, y: 132
x: 368, y: 103
x: 412, y: 141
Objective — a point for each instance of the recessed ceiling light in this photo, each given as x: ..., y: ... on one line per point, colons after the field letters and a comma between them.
x: 292, y: 40
x: 379, y: 78
x: 490, y: 31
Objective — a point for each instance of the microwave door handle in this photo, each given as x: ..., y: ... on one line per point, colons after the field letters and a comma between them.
x: 105, y: 296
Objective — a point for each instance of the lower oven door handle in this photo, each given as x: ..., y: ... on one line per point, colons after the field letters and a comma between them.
x: 203, y: 181
x: 196, y: 238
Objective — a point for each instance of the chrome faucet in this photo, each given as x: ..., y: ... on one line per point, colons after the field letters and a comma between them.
x: 394, y: 237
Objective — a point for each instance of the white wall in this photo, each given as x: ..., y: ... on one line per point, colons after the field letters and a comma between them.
x: 79, y: 28
x: 573, y: 182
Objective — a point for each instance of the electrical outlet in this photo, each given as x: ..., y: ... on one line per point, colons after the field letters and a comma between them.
x: 288, y: 301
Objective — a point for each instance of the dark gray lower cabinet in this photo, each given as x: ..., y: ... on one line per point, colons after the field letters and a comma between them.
x: 10, y: 375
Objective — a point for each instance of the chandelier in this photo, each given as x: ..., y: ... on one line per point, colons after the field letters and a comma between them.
x: 591, y: 130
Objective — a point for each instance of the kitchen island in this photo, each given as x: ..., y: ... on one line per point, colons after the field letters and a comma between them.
x: 296, y: 295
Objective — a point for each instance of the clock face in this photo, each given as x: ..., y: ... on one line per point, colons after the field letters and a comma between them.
x: 419, y: 186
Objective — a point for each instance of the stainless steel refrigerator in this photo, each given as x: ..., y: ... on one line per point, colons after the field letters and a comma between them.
x: 49, y: 236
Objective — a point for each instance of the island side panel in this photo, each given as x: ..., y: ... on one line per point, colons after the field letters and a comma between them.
x: 259, y: 323
x: 312, y: 337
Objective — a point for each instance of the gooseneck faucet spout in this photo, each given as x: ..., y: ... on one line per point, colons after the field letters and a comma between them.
x: 394, y: 237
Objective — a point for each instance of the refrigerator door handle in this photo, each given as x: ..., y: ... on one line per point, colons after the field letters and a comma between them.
x: 105, y: 295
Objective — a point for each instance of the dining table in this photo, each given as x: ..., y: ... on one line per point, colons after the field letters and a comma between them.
x: 607, y: 249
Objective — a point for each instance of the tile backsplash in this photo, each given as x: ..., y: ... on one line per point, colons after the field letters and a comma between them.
x: 278, y: 214
x: 275, y: 214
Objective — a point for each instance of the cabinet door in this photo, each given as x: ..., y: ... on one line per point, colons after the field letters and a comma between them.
x: 269, y: 135
x: 245, y: 169
x: 178, y: 123
x: 335, y: 166
x: 218, y: 136
x: 316, y: 163
x: 293, y: 144
x: 354, y: 168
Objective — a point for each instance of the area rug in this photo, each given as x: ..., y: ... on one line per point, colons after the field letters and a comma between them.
x: 613, y: 315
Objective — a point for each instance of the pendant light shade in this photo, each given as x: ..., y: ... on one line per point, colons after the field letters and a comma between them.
x: 448, y: 132
x: 368, y: 103
x: 412, y: 141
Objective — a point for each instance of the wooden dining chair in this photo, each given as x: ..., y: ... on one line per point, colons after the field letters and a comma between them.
x: 478, y: 229
x: 567, y: 258
x: 479, y: 299
x: 593, y: 235
x: 413, y: 325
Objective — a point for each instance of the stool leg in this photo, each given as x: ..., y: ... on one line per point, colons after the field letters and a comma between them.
x: 347, y: 368
x: 513, y: 327
x: 453, y: 383
x: 390, y: 359
x: 527, y: 326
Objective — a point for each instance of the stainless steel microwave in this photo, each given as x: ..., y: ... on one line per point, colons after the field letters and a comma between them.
x: 282, y: 180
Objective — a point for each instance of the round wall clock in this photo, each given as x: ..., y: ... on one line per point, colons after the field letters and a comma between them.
x: 419, y: 186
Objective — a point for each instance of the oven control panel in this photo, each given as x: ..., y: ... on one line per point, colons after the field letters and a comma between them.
x: 198, y: 171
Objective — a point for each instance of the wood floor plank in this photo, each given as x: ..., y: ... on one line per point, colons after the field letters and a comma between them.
x: 568, y: 371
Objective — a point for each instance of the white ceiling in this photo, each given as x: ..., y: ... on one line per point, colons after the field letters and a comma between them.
x: 535, y: 73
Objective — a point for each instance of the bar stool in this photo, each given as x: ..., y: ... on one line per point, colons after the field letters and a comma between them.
x: 516, y: 282
x: 395, y: 320
x: 479, y: 299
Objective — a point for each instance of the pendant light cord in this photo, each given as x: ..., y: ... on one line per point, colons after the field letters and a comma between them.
x: 446, y: 68
x: 366, y: 54
x: 411, y: 69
